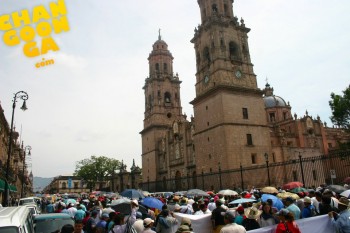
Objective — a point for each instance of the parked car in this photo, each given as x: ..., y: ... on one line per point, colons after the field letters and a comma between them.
x: 34, y: 209
x: 16, y: 219
x: 44, y: 223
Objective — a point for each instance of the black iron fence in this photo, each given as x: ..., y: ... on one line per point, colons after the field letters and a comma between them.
x: 311, y: 171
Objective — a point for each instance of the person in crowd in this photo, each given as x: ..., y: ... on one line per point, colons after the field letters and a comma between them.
x: 166, y: 223
x: 316, y: 199
x: 325, y: 206
x: 68, y: 228
x: 287, y: 223
x: 240, y: 216
x: 80, y: 213
x: 101, y: 225
x: 185, y: 226
x: 309, y: 209
x: 250, y: 223
x: 289, y: 203
x: 111, y: 220
x: 341, y: 220
x: 203, y: 209
x: 230, y: 225
x: 78, y: 226
x: 50, y: 207
x: 71, y: 210
x: 91, y: 222
x: 148, y: 224
x: 267, y: 217
x: 217, y: 218
x: 138, y: 224
x: 119, y: 225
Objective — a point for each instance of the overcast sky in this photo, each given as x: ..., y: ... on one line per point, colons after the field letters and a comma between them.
x: 91, y: 102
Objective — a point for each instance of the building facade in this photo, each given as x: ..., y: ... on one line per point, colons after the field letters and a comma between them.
x: 235, y: 122
x: 20, y: 178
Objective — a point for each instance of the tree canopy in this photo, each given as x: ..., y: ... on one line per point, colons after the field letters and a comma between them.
x: 340, y: 106
x: 96, y: 169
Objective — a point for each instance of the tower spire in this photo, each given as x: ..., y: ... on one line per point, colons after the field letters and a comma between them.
x: 159, y: 36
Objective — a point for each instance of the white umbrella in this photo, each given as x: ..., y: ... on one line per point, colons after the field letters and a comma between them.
x: 119, y: 201
x: 228, y: 192
x: 346, y: 193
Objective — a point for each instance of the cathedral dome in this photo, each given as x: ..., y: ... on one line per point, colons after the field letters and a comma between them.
x: 274, y: 101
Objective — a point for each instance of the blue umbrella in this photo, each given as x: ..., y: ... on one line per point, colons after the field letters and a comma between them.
x: 242, y: 200
x: 276, y: 202
x: 152, y: 202
x: 132, y: 194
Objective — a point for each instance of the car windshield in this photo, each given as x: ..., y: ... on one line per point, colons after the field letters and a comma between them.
x: 26, y: 201
x: 8, y: 229
x: 51, y: 225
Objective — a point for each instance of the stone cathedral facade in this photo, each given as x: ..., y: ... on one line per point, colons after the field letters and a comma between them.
x: 235, y: 122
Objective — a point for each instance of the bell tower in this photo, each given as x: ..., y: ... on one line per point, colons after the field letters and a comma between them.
x: 229, y: 110
x: 162, y: 105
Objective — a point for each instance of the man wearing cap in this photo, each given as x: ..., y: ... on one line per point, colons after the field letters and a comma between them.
x: 230, y: 226
x: 147, y: 224
x: 101, y: 225
x: 289, y: 203
x: 341, y: 221
x: 309, y: 209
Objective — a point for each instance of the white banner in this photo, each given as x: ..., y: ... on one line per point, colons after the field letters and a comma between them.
x: 319, y: 224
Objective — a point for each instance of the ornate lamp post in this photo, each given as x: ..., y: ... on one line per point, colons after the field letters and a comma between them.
x: 24, y: 96
x: 29, y: 148
x: 267, y: 166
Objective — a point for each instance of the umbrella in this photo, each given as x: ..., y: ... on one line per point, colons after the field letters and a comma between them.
x: 336, y: 188
x: 125, y: 208
x: 347, y: 180
x: 196, y: 192
x: 73, y: 201
x: 120, y: 201
x: 288, y: 194
x: 228, y: 192
x: 242, y: 200
x: 152, y: 203
x: 292, y: 185
x: 275, y: 201
x: 269, y: 189
x: 211, y: 193
x: 132, y: 194
x: 298, y: 190
x: 346, y: 193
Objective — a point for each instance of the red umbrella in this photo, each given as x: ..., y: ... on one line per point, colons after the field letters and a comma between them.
x: 292, y: 185
x: 347, y: 180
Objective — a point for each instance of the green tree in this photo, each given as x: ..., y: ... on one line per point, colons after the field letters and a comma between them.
x: 96, y: 169
x: 340, y: 106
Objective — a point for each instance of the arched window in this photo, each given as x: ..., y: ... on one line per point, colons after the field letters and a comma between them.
x: 233, y: 49
x: 167, y: 97
x: 157, y: 66
x: 165, y: 67
x: 64, y: 185
x: 206, y: 54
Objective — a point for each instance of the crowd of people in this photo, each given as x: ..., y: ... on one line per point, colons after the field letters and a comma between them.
x: 96, y: 215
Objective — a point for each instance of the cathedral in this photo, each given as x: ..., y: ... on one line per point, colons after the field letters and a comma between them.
x: 235, y: 123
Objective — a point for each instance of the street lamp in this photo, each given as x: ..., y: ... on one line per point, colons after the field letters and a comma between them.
x: 267, y: 166
x: 29, y: 148
x: 24, y: 96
